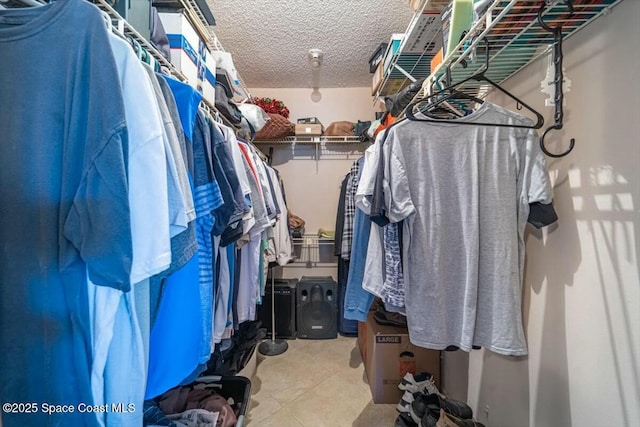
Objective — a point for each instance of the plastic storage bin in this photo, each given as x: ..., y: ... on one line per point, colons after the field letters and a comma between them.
x: 235, y: 387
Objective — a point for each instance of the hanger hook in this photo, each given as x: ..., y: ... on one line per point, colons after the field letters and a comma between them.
x: 568, y: 3
x: 572, y: 143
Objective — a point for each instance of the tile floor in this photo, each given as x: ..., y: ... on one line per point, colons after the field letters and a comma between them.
x: 315, y: 384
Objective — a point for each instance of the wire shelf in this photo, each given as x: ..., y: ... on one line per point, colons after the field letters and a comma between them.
x: 313, y: 250
x: 209, y: 37
x: 514, y: 36
x: 122, y: 26
x: 515, y: 39
x: 311, y: 140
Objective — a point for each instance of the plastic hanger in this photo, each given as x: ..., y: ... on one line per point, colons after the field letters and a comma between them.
x: 26, y: 3
x: 137, y: 48
x: 32, y: 3
x: 452, y: 107
x: 451, y: 92
x: 107, y: 20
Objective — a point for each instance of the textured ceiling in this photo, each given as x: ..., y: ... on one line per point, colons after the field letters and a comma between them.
x: 270, y: 39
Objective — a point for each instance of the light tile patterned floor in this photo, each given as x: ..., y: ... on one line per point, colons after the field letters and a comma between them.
x: 315, y: 384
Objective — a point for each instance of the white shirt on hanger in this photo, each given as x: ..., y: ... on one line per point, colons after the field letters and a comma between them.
x: 150, y: 236
x: 373, y: 279
x: 181, y: 208
x: 148, y: 190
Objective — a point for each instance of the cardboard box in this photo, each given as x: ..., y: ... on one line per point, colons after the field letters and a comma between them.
x: 438, y: 4
x: 377, y: 57
x: 362, y: 340
x: 394, y: 86
x: 308, y: 130
x: 425, y: 37
x: 308, y: 121
x: 415, y: 4
x: 376, y: 80
x: 393, y: 49
x: 437, y: 60
x: 388, y: 355
x: 189, y: 54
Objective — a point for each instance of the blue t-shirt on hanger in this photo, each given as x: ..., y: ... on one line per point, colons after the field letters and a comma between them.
x: 64, y: 207
x: 174, y: 347
x: 188, y: 99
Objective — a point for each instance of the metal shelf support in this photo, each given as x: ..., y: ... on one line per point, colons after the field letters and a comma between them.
x: 557, y: 80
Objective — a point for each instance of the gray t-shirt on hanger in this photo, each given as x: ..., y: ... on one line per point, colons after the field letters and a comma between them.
x: 464, y: 192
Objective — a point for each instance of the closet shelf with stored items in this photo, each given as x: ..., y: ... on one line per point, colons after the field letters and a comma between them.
x: 311, y: 140
x: 317, y: 147
x: 201, y: 18
x: 212, y: 41
x: 121, y: 26
x: 198, y: 20
x: 511, y: 28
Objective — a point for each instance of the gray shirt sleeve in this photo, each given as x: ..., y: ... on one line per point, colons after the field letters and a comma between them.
x: 535, y: 176
x: 536, y: 189
x: 395, y: 183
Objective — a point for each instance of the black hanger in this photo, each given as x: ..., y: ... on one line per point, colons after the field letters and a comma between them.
x: 450, y: 92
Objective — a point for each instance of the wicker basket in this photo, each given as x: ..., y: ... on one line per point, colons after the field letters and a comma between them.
x: 276, y: 127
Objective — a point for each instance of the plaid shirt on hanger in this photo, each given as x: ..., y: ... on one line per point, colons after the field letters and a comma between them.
x: 350, y: 209
x: 393, y: 287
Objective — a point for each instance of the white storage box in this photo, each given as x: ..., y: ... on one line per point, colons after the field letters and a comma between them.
x: 425, y: 38
x: 392, y: 50
x: 189, y: 53
x: 209, y: 82
x: 224, y: 60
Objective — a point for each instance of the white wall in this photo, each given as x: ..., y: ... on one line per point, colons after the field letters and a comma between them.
x: 312, y: 179
x: 582, y: 282
x: 352, y: 104
x: 582, y: 286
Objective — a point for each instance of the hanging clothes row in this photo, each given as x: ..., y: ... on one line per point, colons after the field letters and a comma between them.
x: 439, y: 227
x: 134, y: 227
x: 343, y: 242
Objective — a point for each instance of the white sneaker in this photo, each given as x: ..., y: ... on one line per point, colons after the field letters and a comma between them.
x: 405, y: 402
x: 426, y: 385
x: 408, y: 381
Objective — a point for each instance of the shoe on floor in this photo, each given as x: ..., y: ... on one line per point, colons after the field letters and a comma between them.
x: 418, y: 408
x: 404, y: 420
x: 410, y: 380
x: 429, y: 420
x: 422, y: 382
x: 448, y: 420
x: 405, y: 402
x: 432, y: 403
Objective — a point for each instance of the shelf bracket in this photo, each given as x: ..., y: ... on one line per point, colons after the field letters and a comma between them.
x: 403, y: 71
x: 558, y: 79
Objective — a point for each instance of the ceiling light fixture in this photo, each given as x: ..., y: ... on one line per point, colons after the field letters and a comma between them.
x: 315, y: 58
x: 316, y: 96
